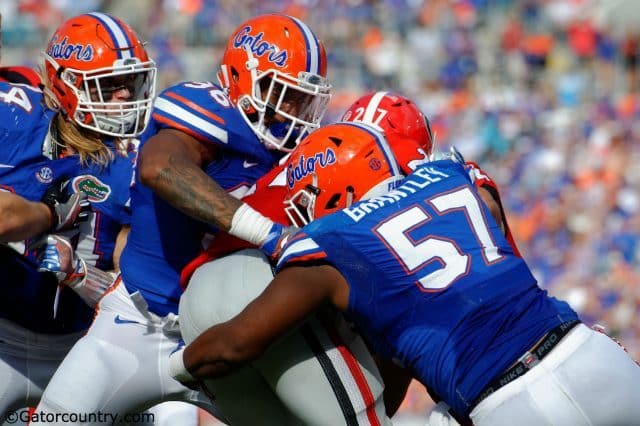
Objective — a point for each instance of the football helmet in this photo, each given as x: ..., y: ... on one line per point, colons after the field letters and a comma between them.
x: 101, y: 75
x: 406, y: 128
x: 274, y: 69
x: 335, y: 166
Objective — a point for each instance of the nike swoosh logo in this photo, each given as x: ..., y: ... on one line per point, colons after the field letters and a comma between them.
x: 119, y: 320
x: 247, y: 164
x: 6, y: 166
x: 181, y: 344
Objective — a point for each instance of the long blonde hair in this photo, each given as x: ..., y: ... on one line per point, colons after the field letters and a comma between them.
x: 87, y: 144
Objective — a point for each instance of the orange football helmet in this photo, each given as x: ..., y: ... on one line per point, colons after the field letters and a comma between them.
x: 89, y: 60
x: 406, y: 128
x: 336, y: 166
x: 274, y: 69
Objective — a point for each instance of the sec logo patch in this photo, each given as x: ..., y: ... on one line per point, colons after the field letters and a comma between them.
x: 45, y: 175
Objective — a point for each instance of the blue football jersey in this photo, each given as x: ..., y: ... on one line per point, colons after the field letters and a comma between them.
x: 28, y: 166
x: 433, y: 281
x: 162, y: 239
x: 108, y: 190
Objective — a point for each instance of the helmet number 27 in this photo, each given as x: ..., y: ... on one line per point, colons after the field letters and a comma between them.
x: 369, y: 115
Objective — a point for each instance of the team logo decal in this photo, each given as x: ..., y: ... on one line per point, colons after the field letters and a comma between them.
x: 260, y: 47
x: 65, y: 50
x: 45, y: 175
x: 375, y: 164
x: 96, y: 190
x: 307, y: 165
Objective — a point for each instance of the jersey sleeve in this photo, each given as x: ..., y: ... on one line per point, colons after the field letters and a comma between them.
x: 300, y: 249
x: 21, y: 111
x: 203, y: 111
x: 188, y: 107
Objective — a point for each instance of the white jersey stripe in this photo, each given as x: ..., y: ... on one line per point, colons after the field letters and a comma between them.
x: 117, y: 34
x: 199, y: 123
x: 298, y: 247
x: 372, y: 107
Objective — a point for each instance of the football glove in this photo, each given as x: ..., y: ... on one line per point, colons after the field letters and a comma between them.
x: 56, y: 255
x: 453, y: 154
x: 276, y: 240
x: 67, y: 210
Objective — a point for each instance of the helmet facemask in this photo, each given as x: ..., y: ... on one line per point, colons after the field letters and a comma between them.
x: 300, y: 207
x: 283, y: 109
x: 95, y: 89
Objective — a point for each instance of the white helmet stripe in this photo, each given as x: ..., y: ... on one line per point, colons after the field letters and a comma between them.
x: 118, y: 35
x: 372, y: 107
x: 313, y: 59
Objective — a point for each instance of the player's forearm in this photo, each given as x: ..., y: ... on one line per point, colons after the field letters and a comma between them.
x: 189, y: 189
x: 21, y: 219
x: 217, y: 352
x: 396, y: 384
x: 492, y: 205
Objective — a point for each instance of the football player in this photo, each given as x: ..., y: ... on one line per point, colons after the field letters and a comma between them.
x: 388, y: 111
x: 205, y: 145
x: 425, y: 274
x: 410, y: 138
x: 66, y: 144
x: 212, y: 296
x: 324, y: 358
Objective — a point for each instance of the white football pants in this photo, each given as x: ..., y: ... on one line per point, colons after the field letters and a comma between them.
x: 587, y: 379
x: 321, y: 374
x: 120, y: 366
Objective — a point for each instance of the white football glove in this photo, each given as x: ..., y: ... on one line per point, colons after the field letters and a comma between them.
x: 453, y: 154
x: 58, y: 256
x: 89, y: 282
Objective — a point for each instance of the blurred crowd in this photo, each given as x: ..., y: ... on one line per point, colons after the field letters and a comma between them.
x: 543, y: 94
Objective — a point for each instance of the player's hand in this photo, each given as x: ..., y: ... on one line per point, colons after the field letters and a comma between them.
x: 67, y: 210
x: 179, y: 372
x: 56, y: 255
x: 276, y: 240
x: 453, y: 154
x: 478, y: 176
